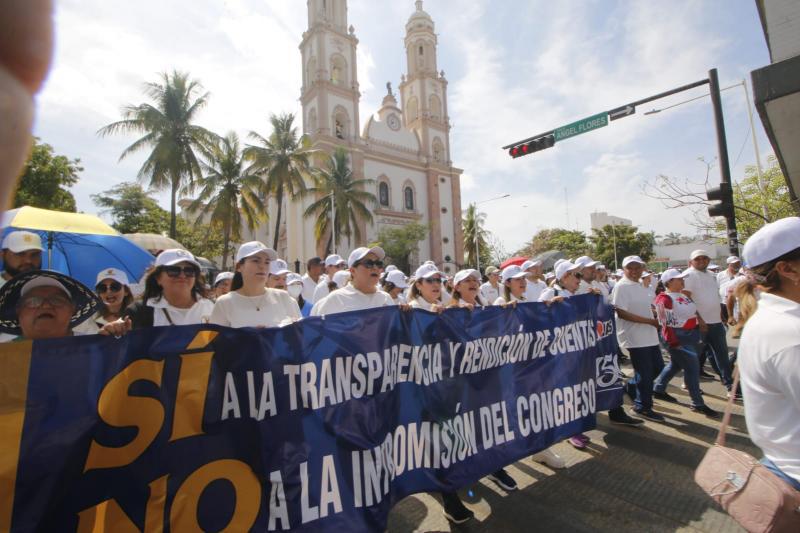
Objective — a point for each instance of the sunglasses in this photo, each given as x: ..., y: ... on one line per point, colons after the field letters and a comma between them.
x: 35, y: 302
x: 176, y: 271
x: 432, y: 280
x: 369, y: 263
x: 114, y: 286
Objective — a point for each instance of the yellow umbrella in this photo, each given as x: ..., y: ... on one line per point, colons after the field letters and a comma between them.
x: 45, y: 220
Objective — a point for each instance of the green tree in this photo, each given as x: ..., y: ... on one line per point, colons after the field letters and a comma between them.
x: 351, y: 201
x: 170, y: 134
x: 400, y: 243
x: 628, y: 241
x: 132, y: 209
x: 203, y: 240
x: 284, y: 162
x: 475, y: 234
x: 229, y: 193
x: 45, y: 178
x: 571, y: 243
x: 761, y: 201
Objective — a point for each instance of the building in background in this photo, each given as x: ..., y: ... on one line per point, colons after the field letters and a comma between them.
x: 602, y: 219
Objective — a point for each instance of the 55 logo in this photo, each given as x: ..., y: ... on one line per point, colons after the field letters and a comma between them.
x: 608, y: 371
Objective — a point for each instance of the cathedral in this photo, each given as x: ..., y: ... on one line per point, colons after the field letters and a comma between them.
x: 404, y: 146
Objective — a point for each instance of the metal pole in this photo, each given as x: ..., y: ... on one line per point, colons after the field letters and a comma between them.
x: 761, y: 185
x: 614, y: 234
x: 333, y: 222
x: 722, y: 146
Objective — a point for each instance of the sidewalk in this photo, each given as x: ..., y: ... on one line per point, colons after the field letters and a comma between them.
x: 628, y: 480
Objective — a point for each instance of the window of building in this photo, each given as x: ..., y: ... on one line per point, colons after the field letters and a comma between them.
x: 383, y: 194
x: 408, y: 194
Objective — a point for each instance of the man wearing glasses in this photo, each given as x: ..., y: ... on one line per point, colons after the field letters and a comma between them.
x: 362, y: 291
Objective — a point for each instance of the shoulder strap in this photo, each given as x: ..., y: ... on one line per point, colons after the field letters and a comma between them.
x: 723, y: 428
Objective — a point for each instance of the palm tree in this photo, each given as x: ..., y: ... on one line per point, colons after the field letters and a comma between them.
x: 351, y: 201
x: 472, y: 225
x: 167, y: 125
x: 283, y: 161
x: 229, y: 194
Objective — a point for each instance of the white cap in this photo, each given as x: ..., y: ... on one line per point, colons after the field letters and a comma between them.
x: 389, y: 268
x: 341, y: 278
x: 672, y: 273
x: 772, y: 241
x: 713, y: 266
x: 292, y: 278
x: 43, y: 281
x: 173, y: 256
x: 513, y: 272
x: 21, y: 241
x: 585, y: 261
x: 646, y: 274
x: 360, y: 253
x: 530, y: 263
x: 112, y: 273
x: 698, y: 253
x: 333, y: 260
x: 558, y: 262
x: 550, y: 275
x: 619, y: 273
x: 252, y: 248
x: 222, y: 276
x: 632, y: 259
x: 398, y: 278
x: 461, y: 275
x: 426, y: 270
x: 564, y: 267
x: 732, y: 259
x: 429, y: 262
x: 601, y: 267
x: 278, y: 267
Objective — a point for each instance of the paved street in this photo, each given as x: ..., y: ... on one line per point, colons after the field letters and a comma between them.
x: 628, y: 479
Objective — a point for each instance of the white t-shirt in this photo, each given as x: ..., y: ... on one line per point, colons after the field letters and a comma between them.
x: 550, y: 292
x: 630, y: 296
x: 489, y: 293
x: 501, y: 300
x: 421, y: 303
x: 165, y: 314
x: 603, y: 288
x: 321, y: 290
x: 349, y: 298
x: 724, y: 277
x: 309, y: 285
x: 273, y: 308
x: 704, y: 289
x: 534, y: 289
x: 683, y: 310
x: 769, y: 363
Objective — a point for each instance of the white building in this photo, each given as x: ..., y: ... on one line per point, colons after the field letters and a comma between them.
x: 601, y: 219
x: 405, y: 146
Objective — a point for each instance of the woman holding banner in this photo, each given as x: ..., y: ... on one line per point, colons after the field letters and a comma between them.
x: 250, y: 303
x: 426, y: 291
x: 515, y: 285
x: 115, y: 296
x: 466, y: 289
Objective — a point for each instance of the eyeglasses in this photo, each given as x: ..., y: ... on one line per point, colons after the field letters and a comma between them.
x: 35, y: 302
x: 114, y: 286
x: 369, y: 263
x: 175, y: 271
x: 432, y: 280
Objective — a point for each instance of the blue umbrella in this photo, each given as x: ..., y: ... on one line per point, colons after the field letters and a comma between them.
x: 78, y: 245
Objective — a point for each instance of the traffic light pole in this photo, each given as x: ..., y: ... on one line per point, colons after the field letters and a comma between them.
x: 722, y: 148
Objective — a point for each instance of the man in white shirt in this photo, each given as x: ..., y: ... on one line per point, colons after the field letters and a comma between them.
x: 22, y: 252
x: 535, y: 286
x: 734, y: 264
x: 637, y: 331
x: 362, y: 291
x: 588, y: 273
x: 490, y: 291
x: 701, y: 286
x: 333, y: 264
x: 314, y: 269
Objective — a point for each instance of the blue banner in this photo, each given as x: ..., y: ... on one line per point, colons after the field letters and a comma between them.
x: 319, y: 425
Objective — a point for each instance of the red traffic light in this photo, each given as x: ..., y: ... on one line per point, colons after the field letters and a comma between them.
x: 532, y: 146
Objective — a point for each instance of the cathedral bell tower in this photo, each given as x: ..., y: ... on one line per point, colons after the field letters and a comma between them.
x: 329, y: 95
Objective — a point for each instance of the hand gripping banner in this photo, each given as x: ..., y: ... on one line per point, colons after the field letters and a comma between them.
x: 319, y: 425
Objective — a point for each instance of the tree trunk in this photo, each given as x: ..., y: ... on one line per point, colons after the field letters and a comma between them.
x: 172, y: 213
x: 279, y: 199
x: 226, y: 239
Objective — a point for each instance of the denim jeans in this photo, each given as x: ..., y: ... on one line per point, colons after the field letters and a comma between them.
x: 715, y: 337
x: 646, y: 361
x: 684, y: 357
x: 778, y: 472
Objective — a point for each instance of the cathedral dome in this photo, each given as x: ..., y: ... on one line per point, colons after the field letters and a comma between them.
x: 419, y: 18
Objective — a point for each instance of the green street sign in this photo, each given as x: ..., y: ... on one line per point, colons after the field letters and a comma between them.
x: 582, y: 126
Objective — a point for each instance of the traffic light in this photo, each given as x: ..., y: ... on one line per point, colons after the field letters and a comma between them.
x: 532, y: 146
x: 724, y: 195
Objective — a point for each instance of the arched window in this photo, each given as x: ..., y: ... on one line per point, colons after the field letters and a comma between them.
x: 413, y: 108
x: 312, y: 121
x: 311, y: 71
x: 338, y: 70
x: 383, y: 194
x: 435, y: 106
x: 408, y: 195
x: 341, y: 123
x: 438, y: 150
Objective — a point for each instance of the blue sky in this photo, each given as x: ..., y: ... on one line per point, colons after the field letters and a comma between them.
x: 514, y: 69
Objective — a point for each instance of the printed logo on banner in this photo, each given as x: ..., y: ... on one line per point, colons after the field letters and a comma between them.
x: 608, y: 371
